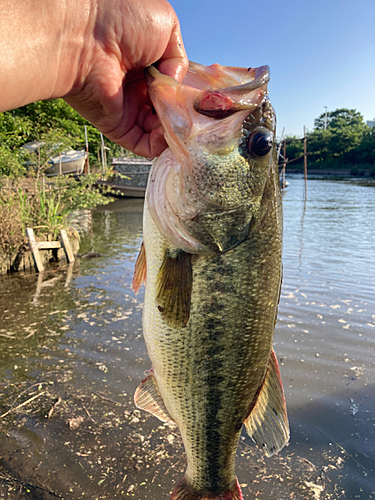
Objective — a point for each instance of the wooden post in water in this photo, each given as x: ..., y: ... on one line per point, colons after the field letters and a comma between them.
x: 97, y: 151
x: 305, y: 159
x: 284, y: 164
x: 87, y: 163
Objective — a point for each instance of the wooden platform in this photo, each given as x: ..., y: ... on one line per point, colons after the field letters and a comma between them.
x: 35, y: 246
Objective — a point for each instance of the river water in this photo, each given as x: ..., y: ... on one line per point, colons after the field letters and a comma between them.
x: 72, y: 354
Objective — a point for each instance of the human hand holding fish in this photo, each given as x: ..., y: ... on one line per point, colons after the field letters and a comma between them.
x: 92, y: 53
x: 211, y: 261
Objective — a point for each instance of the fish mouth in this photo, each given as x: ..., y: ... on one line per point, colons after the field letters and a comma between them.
x: 197, y: 77
x: 216, y: 92
x: 219, y: 77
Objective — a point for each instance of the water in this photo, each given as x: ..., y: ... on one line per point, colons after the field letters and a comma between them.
x: 72, y: 340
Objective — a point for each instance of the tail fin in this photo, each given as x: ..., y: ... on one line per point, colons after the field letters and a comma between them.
x: 184, y: 492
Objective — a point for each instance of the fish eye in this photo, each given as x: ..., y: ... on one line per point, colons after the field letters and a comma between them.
x: 260, y: 142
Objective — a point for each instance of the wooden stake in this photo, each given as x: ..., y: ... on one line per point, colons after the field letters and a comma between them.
x: 103, y: 153
x: 35, y: 246
x: 34, y: 249
x: 66, y: 245
x: 87, y: 162
x: 97, y: 151
x: 284, y: 164
x: 305, y: 159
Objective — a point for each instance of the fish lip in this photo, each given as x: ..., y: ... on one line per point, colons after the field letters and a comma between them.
x: 261, y: 77
x: 151, y: 72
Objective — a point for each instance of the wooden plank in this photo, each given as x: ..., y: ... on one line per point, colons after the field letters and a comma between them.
x: 48, y: 245
x: 34, y: 249
x: 66, y: 245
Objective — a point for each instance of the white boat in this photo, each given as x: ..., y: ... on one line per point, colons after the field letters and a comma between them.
x: 67, y: 162
x: 70, y: 162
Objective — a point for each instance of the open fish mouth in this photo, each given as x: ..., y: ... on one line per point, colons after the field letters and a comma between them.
x: 219, y: 92
x: 226, y: 89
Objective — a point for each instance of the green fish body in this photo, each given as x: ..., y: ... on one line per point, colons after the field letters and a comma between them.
x: 211, y: 260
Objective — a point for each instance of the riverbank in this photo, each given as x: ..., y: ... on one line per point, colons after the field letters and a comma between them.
x: 337, y: 172
x: 21, y: 259
x: 46, y: 206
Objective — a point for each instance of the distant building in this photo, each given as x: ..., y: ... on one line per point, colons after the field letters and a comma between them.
x: 371, y: 123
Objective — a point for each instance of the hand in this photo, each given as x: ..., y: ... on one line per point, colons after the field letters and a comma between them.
x: 92, y: 53
x: 123, y: 38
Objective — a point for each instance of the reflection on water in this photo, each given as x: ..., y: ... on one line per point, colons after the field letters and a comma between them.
x: 71, y: 351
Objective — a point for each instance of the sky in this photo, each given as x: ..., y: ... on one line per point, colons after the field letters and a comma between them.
x: 321, y: 52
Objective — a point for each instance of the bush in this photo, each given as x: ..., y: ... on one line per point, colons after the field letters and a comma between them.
x: 11, y: 228
x: 44, y: 207
x: 10, y: 163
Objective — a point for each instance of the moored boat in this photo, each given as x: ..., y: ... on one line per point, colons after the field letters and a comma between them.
x: 131, y: 175
x: 70, y: 162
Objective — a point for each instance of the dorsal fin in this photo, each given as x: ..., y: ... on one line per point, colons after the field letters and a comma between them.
x: 173, y: 288
x: 140, y: 270
x: 148, y: 398
x: 267, y: 423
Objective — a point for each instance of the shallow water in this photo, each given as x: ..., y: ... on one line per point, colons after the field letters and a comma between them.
x: 72, y: 340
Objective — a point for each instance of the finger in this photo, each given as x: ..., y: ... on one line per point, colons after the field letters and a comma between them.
x: 174, y: 61
x: 144, y: 144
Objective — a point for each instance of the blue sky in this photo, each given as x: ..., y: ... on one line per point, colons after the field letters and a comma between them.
x: 321, y: 52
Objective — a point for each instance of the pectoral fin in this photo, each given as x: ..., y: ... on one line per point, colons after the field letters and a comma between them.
x: 140, y: 270
x: 148, y: 398
x: 267, y: 423
x: 174, y: 284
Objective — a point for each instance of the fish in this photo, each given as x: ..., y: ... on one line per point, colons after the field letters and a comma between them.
x: 211, y: 264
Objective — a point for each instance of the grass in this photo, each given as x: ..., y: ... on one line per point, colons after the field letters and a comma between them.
x: 43, y: 207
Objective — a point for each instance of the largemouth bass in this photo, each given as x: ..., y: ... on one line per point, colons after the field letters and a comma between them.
x: 211, y: 259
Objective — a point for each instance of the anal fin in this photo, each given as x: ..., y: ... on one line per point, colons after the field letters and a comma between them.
x: 148, y: 398
x: 267, y: 423
x: 140, y: 270
x: 174, y: 284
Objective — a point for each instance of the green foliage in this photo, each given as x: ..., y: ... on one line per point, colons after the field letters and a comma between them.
x: 294, y: 147
x: 347, y: 140
x: 51, y: 122
x: 45, y: 207
x: 14, y: 130
x: 364, y: 152
x: 11, y: 164
x: 57, y: 114
x: 319, y: 145
x: 82, y: 193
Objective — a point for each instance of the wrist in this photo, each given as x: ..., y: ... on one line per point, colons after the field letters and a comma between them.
x: 74, y: 44
x: 42, y: 43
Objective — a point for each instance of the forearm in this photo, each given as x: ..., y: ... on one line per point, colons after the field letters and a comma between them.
x: 40, y: 49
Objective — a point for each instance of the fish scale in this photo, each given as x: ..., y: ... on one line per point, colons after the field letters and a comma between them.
x: 210, y: 308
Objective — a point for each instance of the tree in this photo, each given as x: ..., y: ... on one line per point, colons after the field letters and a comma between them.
x: 345, y: 131
x: 346, y: 128
x: 364, y: 152
x: 294, y: 149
